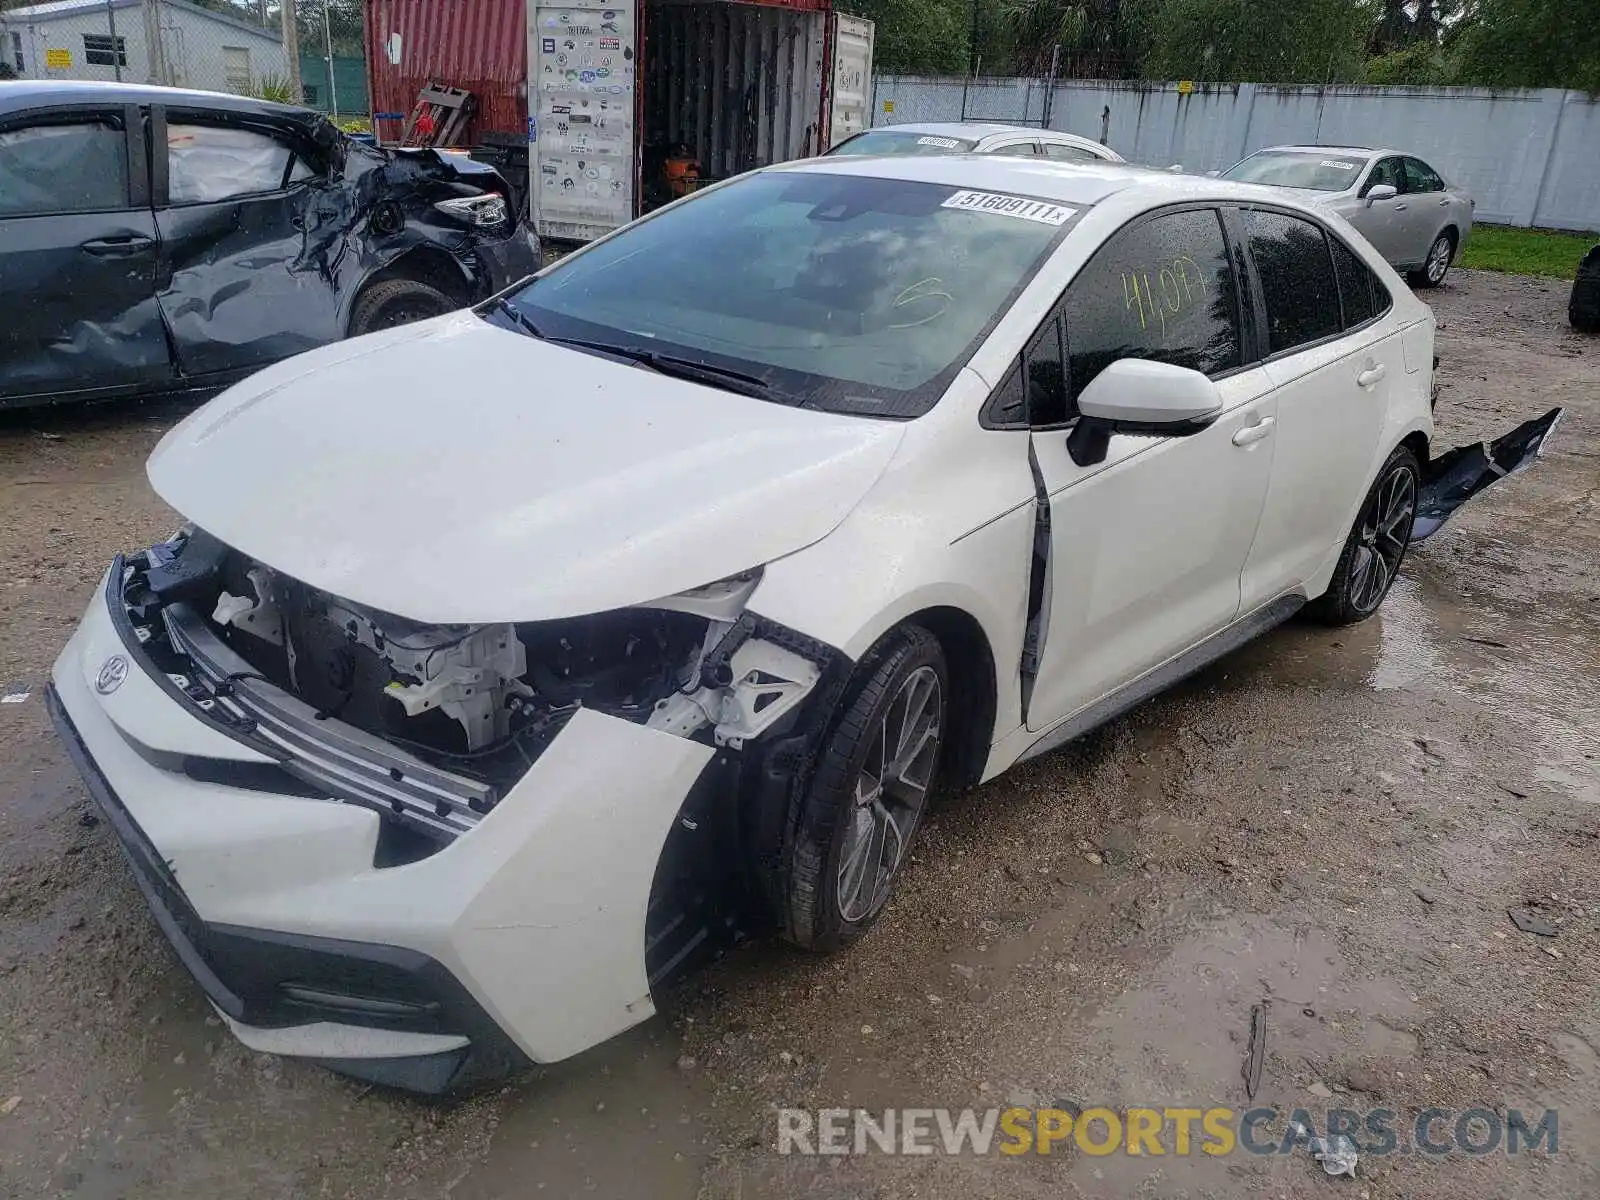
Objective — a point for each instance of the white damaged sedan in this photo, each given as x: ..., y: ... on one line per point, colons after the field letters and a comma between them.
x: 501, y: 650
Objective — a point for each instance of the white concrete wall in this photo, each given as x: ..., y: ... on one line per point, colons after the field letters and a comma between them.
x: 194, y: 43
x: 1528, y: 157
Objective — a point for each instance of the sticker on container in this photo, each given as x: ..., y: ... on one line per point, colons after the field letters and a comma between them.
x: 610, y: 43
x: 945, y: 143
x: 549, y: 45
x: 533, y: 129
x: 1337, y: 165
x: 1012, y: 206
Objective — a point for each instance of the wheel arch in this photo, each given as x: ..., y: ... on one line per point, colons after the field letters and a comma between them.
x: 970, y: 661
x: 427, y: 264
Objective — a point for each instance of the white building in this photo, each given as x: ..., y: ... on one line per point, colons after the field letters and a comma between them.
x: 197, y: 48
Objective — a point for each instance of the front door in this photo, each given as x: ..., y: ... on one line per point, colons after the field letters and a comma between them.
x: 1147, y: 547
x: 240, y: 284
x: 1386, y: 223
x: 77, y: 255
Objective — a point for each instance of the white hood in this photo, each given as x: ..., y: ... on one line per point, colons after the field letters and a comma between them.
x: 453, y: 471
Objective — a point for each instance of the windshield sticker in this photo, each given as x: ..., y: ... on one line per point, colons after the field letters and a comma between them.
x: 1012, y: 206
x: 943, y: 142
x: 1337, y: 165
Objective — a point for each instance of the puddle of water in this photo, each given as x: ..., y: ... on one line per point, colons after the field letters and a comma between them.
x: 1181, y: 1038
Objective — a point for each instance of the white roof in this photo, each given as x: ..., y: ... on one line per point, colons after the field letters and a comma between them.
x: 1066, y: 183
x: 1349, y: 151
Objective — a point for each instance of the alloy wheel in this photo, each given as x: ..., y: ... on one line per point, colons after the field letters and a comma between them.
x: 1385, y: 532
x: 1438, y: 259
x: 890, y: 794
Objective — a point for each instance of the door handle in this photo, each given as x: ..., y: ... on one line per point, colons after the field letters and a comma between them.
x: 1444, y: 204
x: 1399, y: 208
x: 1371, y: 375
x: 113, y: 247
x: 1254, y: 433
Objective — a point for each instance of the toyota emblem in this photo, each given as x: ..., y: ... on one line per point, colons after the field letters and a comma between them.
x: 112, y: 674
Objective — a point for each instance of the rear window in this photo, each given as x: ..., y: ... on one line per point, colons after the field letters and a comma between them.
x: 842, y: 292
x: 1320, y: 172
x: 891, y: 141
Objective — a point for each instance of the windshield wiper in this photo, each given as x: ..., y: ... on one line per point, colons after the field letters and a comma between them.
x: 728, y: 379
x: 701, y: 372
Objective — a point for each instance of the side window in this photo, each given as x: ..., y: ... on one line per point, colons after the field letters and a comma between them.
x: 1046, y: 375
x: 69, y: 166
x: 1420, y: 177
x: 1387, y: 171
x: 1162, y: 289
x: 1063, y: 152
x: 207, y: 163
x: 1297, y: 279
x: 1018, y: 150
x: 1357, y: 285
x: 1035, y: 392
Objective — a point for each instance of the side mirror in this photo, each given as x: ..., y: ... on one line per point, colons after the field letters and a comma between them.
x: 1381, y: 191
x: 1136, y: 395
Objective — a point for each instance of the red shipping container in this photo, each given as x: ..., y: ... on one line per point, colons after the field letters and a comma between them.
x: 479, y: 45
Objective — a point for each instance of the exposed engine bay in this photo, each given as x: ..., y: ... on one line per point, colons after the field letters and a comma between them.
x: 476, y: 700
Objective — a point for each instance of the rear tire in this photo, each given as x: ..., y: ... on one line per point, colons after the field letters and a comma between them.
x: 1376, y: 546
x: 396, y: 302
x: 1437, y: 265
x: 868, y: 793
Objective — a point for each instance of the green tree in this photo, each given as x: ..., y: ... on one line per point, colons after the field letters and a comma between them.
x: 1083, y: 30
x: 1528, y: 43
x: 1264, y: 41
x: 917, y: 37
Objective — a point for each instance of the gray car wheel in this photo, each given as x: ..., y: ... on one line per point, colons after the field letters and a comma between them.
x: 1434, y: 268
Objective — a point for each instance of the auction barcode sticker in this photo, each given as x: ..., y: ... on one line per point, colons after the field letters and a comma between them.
x: 944, y: 142
x: 1012, y: 206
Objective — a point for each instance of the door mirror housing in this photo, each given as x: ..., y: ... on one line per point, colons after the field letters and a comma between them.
x: 1381, y: 191
x: 1136, y: 395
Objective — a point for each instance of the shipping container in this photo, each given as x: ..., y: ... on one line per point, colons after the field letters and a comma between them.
x: 479, y: 45
x: 634, y: 105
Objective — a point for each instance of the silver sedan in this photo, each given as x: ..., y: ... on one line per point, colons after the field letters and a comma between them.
x: 1405, y: 208
x: 976, y: 137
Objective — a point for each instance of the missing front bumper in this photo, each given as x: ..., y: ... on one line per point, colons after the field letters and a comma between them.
x: 1458, y: 475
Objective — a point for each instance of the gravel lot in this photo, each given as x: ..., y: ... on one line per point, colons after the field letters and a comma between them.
x: 1332, y: 824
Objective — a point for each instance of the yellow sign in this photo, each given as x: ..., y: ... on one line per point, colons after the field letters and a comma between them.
x: 58, y: 60
x: 888, y: 106
x: 1185, y: 86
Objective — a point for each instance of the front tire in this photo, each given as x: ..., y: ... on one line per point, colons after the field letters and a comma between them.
x: 1376, y: 546
x: 868, y: 793
x: 1437, y: 265
x: 396, y: 302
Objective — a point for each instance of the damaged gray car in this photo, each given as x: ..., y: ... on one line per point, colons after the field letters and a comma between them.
x: 172, y: 241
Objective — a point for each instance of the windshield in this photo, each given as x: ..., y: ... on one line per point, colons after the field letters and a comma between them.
x: 841, y: 292
x: 1321, y: 172
x: 891, y: 141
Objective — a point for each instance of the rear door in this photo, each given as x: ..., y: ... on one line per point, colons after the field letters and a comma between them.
x: 1334, y: 387
x: 852, y: 78
x: 239, y: 286
x: 1385, y: 223
x: 78, y: 245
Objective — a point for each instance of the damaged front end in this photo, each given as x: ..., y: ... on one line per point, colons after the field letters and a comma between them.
x: 1458, y: 475
x: 433, y: 726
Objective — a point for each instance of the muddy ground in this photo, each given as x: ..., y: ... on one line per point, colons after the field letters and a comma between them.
x: 1328, y: 824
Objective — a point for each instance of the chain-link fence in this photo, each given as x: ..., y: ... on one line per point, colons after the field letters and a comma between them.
x: 239, y: 46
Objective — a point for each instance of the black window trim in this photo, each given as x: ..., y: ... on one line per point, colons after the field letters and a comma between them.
x: 1248, y: 347
x: 161, y: 196
x: 1260, y: 293
x: 76, y: 112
